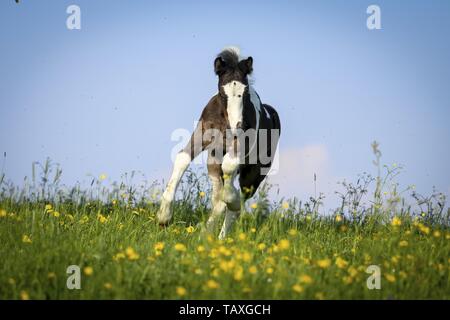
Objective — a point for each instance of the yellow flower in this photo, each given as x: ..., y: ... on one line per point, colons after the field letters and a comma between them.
x: 107, y: 286
x: 352, y: 271
x: 284, y: 244
x: 403, y: 243
x: 324, y: 263
x: 436, y: 234
x: 423, y: 228
x: 253, y: 269
x: 119, y: 256
x: 131, y: 254
x: 159, y: 246
x: 320, y: 296
x: 254, y: 205
x: 285, y: 205
x: 51, y: 275
x: 293, y: 232
x: 48, y: 207
x: 200, y: 248
x: 395, y: 259
x: 338, y: 218
x: 242, y: 236
x: 341, y: 263
x: 261, y: 246
x: 88, y: 271
x: 24, y: 295
x: 190, y: 229
x: 308, y: 218
x: 202, y: 194
x: 102, y: 177
x: 390, y: 277
x: 102, y: 218
x: 304, y: 278
x: 26, y: 239
x: 238, y: 273
x: 269, y: 270
x: 246, y: 256
x: 211, y: 284
x: 180, y: 247
x: 56, y: 214
x: 198, y: 271
x: 2, y: 213
x: 297, y: 288
x: 181, y: 291
x: 253, y: 230
x: 396, y: 221
x: 347, y: 280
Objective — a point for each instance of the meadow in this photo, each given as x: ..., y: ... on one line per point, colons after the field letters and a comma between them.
x: 278, y: 250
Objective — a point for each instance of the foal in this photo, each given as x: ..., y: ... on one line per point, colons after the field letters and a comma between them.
x: 240, y: 135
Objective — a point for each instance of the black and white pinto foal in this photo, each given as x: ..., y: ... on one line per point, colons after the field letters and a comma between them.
x: 240, y: 135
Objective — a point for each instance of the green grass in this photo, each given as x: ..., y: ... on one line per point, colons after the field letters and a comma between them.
x: 418, y: 270
x: 284, y: 250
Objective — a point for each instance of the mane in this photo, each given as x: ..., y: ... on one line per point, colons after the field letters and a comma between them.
x: 231, y: 56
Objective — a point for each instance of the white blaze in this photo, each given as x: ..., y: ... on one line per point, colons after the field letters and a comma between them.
x: 235, y: 103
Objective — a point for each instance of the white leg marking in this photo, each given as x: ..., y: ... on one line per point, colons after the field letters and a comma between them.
x: 182, y: 161
x: 218, y: 206
x: 230, y: 195
x: 230, y: 218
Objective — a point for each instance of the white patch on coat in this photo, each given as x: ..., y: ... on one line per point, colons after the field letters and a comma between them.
x: 256, y: 104
x: 234, y: 91
x: 182, y: 161
x: 267, y: 113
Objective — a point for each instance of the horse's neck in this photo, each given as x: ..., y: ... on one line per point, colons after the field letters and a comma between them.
x: 256, y: 102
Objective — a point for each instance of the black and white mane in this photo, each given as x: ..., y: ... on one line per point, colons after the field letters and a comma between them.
x: 240, y: 135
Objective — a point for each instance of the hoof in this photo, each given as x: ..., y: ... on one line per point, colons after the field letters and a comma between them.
x: 164, y: 213
x: 163, y: 225
x: 232, y: 199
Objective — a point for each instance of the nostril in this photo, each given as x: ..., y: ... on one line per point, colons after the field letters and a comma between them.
x: 239, y: 125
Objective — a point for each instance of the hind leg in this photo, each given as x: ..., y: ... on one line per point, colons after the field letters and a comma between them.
x: 218, y: 205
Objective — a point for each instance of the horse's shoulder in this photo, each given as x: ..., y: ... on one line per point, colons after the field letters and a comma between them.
x: 214, y: 109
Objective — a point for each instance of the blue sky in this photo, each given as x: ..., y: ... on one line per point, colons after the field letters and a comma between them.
x: 106, y: 98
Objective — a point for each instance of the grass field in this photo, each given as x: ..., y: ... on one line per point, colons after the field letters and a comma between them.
x: 282, y: 250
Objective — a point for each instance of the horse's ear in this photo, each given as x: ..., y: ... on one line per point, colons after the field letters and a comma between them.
x: 219, y: 66
x: 246, y: 65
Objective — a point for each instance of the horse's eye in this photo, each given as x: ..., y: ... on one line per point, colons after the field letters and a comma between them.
x: 239, y: 96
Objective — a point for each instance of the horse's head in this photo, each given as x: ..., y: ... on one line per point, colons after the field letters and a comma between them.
x: 233, y: 83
